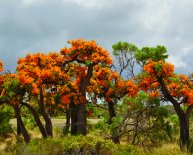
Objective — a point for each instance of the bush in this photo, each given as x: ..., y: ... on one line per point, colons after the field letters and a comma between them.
x: 74, y: 145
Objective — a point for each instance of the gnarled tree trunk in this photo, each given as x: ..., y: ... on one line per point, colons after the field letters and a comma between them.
x: 36, y: 118
x: 184, y: 129
x: 48, y: 122
x: 21, y: 124
x: 182, y: 115
x: 81, y: 112
x: 73, y: 109
x: 67, y: 126
x: 112, y: 114
x: 81, y: 119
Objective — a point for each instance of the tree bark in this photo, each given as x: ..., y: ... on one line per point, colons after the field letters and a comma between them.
x: 183, y: 116
x: 81, y: 119
x: 73, y: 109
x: 81, y: 112
x: 18, y: 129
x: 21, y: 124
x: 184, y: 129
x: 48, y: 122
x: 36, y: 118
x: 67, y: 127
x: 112, y: 114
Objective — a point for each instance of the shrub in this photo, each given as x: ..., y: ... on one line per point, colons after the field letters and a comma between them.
x: 74, y: 145
x: 5, y: 127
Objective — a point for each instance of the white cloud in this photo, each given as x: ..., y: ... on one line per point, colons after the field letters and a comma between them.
x: 177, y: 61
x: 187, y: 50
x: 47, y: 24
x: 88, y: 3
x: 154, y: 15
x: 29, y: 2
x: 33, y: 2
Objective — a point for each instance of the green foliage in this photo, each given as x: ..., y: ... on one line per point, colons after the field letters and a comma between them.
x: 116, y: 122
x: 147, y: 119
x: 123, y: 46
x: 151, y: 53
x: 158, y: 67
x: 174, y: 126
x: 174, y: 79
x: 29, y: 122
x: 132, y: 150
x: 87, y: 63
x: 99, y: 112
x: 5, y: 113
x: 74, y: 145
x: 11, y: 87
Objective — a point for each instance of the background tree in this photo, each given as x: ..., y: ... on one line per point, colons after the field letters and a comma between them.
x: 125, y: 59
x: 151, y: 53
x: 145, y: 122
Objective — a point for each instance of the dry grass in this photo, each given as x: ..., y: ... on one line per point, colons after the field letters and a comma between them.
x: 56, y: 122
x: 168, y: 149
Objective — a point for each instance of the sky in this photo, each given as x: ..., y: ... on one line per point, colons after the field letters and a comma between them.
x: 29, y: 26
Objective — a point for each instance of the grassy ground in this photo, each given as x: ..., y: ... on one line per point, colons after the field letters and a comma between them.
x: 165, y: 149
x: 56, y: 122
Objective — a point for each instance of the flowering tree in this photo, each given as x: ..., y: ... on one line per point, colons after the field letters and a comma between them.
x: 160, y: 80
x: 86, y: 54
x: 110, y: 86
x: 38, y: 73
x: 12, y: 95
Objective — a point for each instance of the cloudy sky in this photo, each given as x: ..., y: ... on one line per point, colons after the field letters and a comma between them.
x: 46, y: 25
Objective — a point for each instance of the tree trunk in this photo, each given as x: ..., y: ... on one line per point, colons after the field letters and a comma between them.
x: 18, y: 129
x: 112, y: 114
x: 183, y: 117
x: 21, y: 124
x: 48, y: 122
x: 67, y: 127
x: 81, y: 112
x: 184, y: 129
x: 81, y: 119
x: 73, y: 109
x: 37, y: 119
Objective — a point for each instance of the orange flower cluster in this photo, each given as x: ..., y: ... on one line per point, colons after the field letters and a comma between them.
x: 40, y: 69
x: 154, y: 93
x: 150, y: 67
x: 1, y: 66
x: 147, y: 83
x: 132, y: 88
x: 109, y: 85
x: 1, y: 76
x: 159, y: 68
x: 65, y: 99
x: 179, y: 86
x: 86, y: 52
